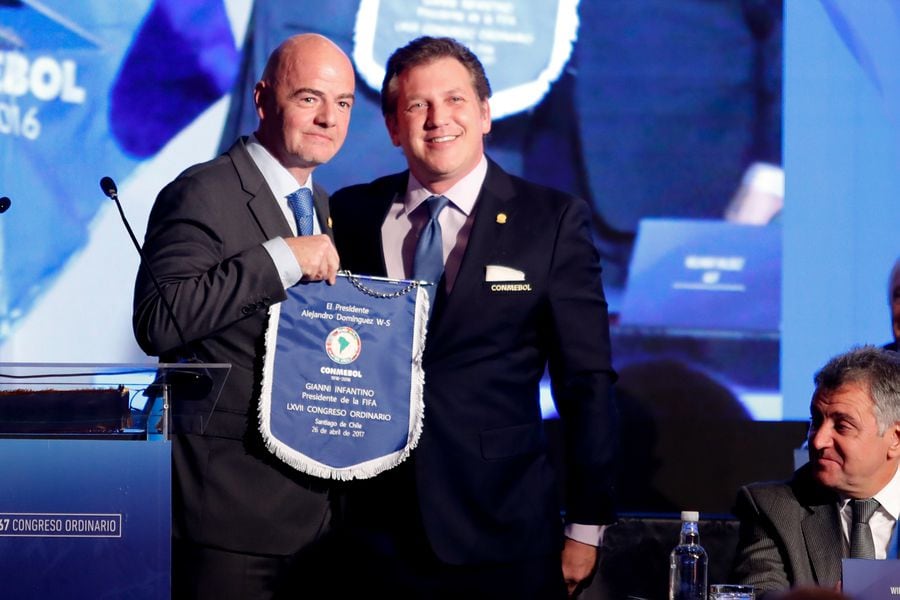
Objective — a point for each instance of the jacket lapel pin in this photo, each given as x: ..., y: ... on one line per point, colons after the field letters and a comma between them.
x: 501, y: 218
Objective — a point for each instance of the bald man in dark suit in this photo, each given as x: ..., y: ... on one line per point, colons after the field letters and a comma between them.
x: 225, y: 245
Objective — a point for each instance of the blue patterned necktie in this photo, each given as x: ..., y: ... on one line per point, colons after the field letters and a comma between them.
x: 301, y: 203
x: 429, y: 260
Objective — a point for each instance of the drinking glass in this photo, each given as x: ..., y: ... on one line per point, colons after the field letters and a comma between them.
x: 730, y: 591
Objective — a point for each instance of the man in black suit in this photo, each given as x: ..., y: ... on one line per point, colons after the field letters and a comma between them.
x: 475, y: 512
x: 795, y: 533
x: 223, y: 243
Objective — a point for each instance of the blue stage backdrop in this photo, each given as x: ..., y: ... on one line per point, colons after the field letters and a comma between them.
x: 842, y: 157
x: 648, y: 109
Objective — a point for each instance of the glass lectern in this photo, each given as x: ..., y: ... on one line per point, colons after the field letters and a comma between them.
x: 85, y: 474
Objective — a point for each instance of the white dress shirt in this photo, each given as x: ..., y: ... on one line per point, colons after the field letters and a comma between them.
x: 403, y: 224
x: 882, y: 521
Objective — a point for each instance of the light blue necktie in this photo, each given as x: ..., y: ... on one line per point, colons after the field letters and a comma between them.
x: 429, y: 259
x: 301, y: 203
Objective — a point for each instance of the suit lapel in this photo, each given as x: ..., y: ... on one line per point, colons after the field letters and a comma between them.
x: 824, y: 542
x: 320, y: 199
x: 262, y: 203
x: 367, y: 244
x: 486, y: 238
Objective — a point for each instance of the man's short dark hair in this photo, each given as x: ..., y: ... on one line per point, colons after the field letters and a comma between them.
x: 424, y: 50
x: 876, y: 369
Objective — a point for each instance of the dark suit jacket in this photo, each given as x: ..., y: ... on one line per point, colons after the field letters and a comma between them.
x: 203, y: 242
x: 790, y: 534
x: 481, y: 475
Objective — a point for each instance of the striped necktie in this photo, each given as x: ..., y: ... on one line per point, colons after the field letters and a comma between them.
x: 861, y: 544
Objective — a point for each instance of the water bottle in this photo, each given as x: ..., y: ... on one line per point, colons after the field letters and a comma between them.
x: 687, y: 563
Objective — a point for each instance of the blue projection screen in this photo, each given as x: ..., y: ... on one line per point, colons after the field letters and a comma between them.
x: 650, y: 110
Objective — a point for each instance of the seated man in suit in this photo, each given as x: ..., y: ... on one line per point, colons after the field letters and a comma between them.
x: 846, y: 500
x: 894, y: 304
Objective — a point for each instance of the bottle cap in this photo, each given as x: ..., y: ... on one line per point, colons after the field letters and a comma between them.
x: 691, y: 516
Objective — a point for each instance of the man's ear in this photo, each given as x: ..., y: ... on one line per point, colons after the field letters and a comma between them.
x: 485, y: 117
x: 893, y: 434
x: 260, y: 90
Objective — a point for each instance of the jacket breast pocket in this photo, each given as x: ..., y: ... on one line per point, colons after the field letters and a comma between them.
x: 509, y: 442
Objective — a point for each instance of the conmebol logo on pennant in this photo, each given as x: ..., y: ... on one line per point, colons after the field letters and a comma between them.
x: 343, y: 345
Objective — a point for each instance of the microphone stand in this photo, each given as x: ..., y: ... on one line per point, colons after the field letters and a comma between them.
x: 194, y: 385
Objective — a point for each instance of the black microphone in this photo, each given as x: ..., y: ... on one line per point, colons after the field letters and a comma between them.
x: 202, y: 382
x: 5, y: 203
x: 109, y: 188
